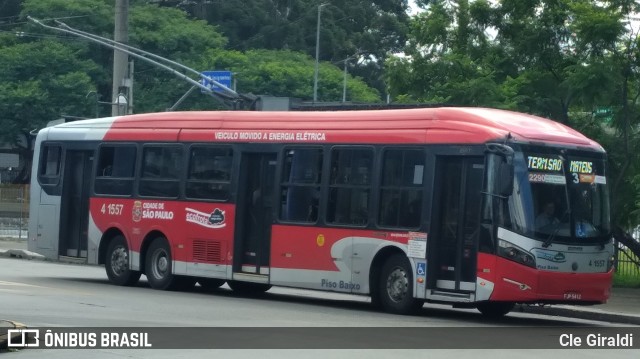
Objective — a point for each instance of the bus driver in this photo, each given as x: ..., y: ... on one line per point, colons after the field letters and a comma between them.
x: 547, y: 217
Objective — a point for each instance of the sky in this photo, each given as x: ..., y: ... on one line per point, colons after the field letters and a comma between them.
x: 413, y: 8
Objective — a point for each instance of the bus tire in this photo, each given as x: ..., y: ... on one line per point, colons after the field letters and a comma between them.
x: 158, y: 267
x: 396, y: 286
x: 495, y: 310
x: 210, y: 283
x: 247, y: 288
x: 375, y: 300
x: 116, y: 263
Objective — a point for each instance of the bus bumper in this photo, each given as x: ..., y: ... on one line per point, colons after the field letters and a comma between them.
x: 515, y: 282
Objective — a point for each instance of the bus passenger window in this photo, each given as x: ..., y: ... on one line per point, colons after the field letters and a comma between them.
x: 350, y: 185
x: 115, y: 170
x: 209, y: 174
x: 161, y: 168
x: 301, y: 178
x: 401, y: 189
x: 50, y: 165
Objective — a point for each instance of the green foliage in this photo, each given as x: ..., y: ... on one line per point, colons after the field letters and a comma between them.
x: 626, y: 281
x: 373, y: 28
x: 40, y: 81
x: 561, y: 59
x: 286, y: 73
x: 627, y: 273
x: 169, y: 32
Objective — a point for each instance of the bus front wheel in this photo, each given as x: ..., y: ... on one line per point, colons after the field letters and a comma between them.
x: 158, y: 267
x: 495, y: 310
x: 116, y: 263
x: 396, y: 286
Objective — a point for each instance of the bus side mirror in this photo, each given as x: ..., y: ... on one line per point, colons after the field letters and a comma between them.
x: 504, y: 176
x: 500, y: 173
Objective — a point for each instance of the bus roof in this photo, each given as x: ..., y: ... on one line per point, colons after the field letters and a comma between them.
x: 460, y: 125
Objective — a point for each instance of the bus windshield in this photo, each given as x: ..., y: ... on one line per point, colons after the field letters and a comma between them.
x: 560, y: 198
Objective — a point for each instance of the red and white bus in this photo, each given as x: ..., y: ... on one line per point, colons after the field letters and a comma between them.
x: 473, y: 207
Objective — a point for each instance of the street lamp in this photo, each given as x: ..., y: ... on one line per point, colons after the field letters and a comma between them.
x: 344, y: 82
x: 122, y: 103
x: 315, y: 75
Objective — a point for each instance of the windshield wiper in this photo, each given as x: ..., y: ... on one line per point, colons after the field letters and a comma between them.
x: 549, y: 240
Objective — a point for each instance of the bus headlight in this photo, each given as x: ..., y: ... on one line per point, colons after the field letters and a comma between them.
x: 512, y: 252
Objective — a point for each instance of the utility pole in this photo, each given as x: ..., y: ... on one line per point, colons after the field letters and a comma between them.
x: 120, y: 58
x: 344, y: 83
x: 226, y: 96
x: 315, y: 74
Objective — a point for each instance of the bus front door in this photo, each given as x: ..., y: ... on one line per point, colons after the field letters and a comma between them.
x: 255, y: 206
x: 456, y: 219
x: 74, y: 211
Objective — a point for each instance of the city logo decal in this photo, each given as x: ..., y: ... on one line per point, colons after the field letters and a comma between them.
x: 215, y: 219
x: 137, y: 211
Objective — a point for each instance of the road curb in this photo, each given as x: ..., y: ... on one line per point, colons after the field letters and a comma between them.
x: 21, y: 253
x: 618, y: 318
x: 6, y: 325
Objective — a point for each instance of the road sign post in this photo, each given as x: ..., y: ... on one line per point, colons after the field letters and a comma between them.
x: 223, y: 77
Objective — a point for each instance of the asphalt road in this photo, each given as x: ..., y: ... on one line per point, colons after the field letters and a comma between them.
x: 46, y: 294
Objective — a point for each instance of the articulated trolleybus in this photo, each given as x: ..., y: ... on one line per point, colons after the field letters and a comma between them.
x: 468, y: 206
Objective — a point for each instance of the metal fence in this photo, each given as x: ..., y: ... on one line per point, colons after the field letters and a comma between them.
x: 628, y: 264
x: 8, y: 175
x: 14, y: 210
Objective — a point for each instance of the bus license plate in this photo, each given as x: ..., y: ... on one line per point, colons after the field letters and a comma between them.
x: 572, y: 296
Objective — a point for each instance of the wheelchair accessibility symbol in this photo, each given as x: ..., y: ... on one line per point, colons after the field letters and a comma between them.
x: 421, y: 269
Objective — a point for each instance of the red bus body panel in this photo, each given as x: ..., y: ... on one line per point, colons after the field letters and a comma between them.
x: 518, y: 283
x: 136, y: 221
x: 428, y: 125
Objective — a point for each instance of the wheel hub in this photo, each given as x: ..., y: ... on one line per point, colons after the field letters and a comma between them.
x: 119, y: 261
x: 397, y: 285
x: 160, y: 264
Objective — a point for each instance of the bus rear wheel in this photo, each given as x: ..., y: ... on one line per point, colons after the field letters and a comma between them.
x: 247, y: 288
x: 396, y: 286
x: 158, y: 267
x: 495, y: 310
x: 116, y: 263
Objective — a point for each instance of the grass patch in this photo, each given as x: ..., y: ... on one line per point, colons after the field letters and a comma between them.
x: 626, y: 281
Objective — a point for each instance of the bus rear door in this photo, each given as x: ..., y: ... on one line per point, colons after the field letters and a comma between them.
x: 255, y: 207
x: 74, y: 206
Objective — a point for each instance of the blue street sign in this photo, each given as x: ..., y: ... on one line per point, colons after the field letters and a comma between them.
x: 223, y: 77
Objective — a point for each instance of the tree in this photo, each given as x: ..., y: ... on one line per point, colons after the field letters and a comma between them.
x: 562, y: 59
x: 39, y: 82
x: 163, y: 31
x: 171, y: 33
x: 373, y: 29
x: 449, y: 59
x: 275, y: 73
